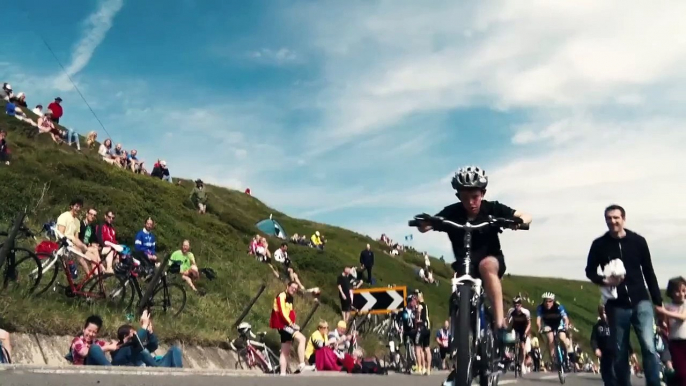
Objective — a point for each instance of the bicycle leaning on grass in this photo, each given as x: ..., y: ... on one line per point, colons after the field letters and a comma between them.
x: 254, y: 352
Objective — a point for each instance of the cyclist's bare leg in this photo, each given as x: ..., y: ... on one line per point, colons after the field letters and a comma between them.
x: 522, y: 354
x: 427, y: 358
x: 5, y: 339
x: 563, y: 338
x: 420, y: 357
x: 108, y: 262
x: 551, y: 343
x: 300, y: 341
x: 488, y: 268
x: 283, y: 357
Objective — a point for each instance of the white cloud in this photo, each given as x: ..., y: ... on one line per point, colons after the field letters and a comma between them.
x: 279, y: 56
x: 595, y: 78
x: 95, y: 29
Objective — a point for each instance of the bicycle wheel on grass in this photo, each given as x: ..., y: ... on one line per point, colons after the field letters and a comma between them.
x: 22, y: 271
x: 114, y: 289
x: 50, y: 267
x: 169, y: 299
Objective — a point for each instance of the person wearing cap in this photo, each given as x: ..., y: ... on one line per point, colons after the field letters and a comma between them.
x: 56, y: 108
x: 160, y: 171
x: 199, y: 196
x: 21, y: 100
x: 318, y: 339
x: 38, y: 110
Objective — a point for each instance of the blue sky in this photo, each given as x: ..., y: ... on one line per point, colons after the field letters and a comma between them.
x: 355, y: 113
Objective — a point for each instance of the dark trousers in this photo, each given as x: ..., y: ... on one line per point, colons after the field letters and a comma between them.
x: 607, y: 370
x: 369, y: 273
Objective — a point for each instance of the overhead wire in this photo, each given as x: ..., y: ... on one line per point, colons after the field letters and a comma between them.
x: 64, y: 70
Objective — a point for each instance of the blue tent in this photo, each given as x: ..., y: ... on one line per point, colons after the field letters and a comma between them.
x: 272, y: 228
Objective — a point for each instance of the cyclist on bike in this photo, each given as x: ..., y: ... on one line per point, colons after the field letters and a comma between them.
x: 488, y: 262
x: 552, y: 316
x: 519, y: 319
x: 422, y: 341
x: 409, y: 325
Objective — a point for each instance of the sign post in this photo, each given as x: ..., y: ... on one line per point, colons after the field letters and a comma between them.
x: 382, y: 300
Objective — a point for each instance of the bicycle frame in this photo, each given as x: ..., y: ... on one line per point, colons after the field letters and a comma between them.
x: 77, y: 288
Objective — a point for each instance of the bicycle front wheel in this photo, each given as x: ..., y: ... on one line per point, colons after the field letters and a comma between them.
x: 22, y: 271
x: 464, y: 336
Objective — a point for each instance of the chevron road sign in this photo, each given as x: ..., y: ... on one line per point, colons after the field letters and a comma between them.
x: 382, y: 300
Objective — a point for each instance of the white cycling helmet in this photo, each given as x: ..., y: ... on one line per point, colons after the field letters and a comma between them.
x: 244, y: 327
x: 548, y: 295
x: 470, y: 177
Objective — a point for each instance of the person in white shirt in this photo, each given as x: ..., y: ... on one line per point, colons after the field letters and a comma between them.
x: 281, y: 256
x: 339, y: 341
x: 38, y: 110
x: 69, y: 225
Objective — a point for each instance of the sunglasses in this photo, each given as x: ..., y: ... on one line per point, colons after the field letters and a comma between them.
x: 92, y: 214
x: 110, y: 217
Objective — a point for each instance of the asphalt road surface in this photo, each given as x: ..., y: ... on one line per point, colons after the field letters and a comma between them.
x: 26, y: 378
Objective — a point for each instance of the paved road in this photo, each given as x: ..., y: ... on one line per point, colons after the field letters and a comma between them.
x: 28, y: 378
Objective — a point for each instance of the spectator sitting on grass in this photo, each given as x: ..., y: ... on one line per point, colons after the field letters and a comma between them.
x: 187, y: 268
x: 281, y: 255
x: 4, y: 150
x: 88, y: 232
x: 107, y: 239
x: 104, y: 152
x: 87, y: 349
x: 135, y: 164
x: 46, y: 125
x: 13, y: 110
x: 90, y: 140
x: 21, y: 100
x: 38, y: 110
x: 160, y: 171
x: 69, y: 226
x: 146, y: 243
x: 135, y: 348
x: 199, y: 196
x: 118, y: 155
x: 317, y: 241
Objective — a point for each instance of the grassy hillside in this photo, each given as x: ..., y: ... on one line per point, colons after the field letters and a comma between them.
x: 218, y: 239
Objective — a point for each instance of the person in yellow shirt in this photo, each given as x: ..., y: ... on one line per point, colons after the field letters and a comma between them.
x: 69, y: 226
x: 317, y: 240
x: 318, y: 339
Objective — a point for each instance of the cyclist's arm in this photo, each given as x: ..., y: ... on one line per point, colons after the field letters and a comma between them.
x: 563, y: 314
x: 528, y: 322
x: 538, y: 317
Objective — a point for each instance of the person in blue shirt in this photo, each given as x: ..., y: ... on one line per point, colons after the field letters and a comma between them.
x: 145, y: 244
x: 11, y: 107
x: 551, y: 316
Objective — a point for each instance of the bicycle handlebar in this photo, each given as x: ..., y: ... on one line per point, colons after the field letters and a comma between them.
x: 24, y: 230
x: 498, y: 222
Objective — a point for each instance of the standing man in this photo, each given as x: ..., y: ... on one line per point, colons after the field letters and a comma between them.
x: 345, y: 293
x: 632, y: 304
x: 602, y: 345
x: 282, y: 319
x: 443, y: 340
x: 56, y: 108
x: 367, y: 262
x: 422, y: 343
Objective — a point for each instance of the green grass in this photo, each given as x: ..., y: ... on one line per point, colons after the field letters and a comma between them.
x: 219, y: 240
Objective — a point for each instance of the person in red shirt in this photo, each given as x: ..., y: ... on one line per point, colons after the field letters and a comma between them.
x: 283, y: 320
x: 106, y: 236
x: 87, y: 349
x: 56, y: 109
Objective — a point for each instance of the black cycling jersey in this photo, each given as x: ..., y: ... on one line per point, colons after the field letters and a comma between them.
x: 485, y: 241
x: 519, y: 319
x: 423, y: 316
x: 552, y: 317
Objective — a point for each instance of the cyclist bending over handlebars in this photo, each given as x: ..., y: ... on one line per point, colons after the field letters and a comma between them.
x: 551, y: 316
x: 488, y: 262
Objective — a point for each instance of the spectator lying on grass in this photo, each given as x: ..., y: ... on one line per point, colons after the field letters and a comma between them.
x: 71, y: 136
x: 281, y: 256
x: 13, y: 110
x: 21, y: 100
x: 135, y: 348
x: 38, y: 110
x: 199, y: 196
x: 4, y: 150
x: 183, y: 262
x: 160, y: 171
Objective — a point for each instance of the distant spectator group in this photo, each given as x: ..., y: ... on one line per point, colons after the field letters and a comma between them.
x: 315, y: 241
